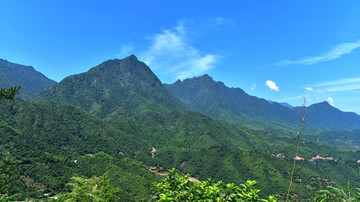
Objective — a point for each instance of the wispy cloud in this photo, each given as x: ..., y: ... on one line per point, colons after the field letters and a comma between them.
x: 171, y: 53
x: 219, y: 21
x: 126, y: 49
x: 347, y: 84
x: 291, y: 98
x: 336, y: 52
x: 330, y: 100
x: 253, y: 86
x: 272, y: 85
x: 310, y: 89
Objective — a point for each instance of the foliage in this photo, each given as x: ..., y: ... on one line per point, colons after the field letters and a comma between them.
x: 93, y: 189
x: 178, y: 188
x: 4, y: 198
x: 337, y: 194
x: 6, y: 177
x: 6, y: 174
x: 8, y: 94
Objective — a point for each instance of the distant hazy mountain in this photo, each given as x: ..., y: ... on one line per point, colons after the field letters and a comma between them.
x: 285, y: 104
x: 31, y: 81
x: 113, y: 89
x: 327, y: 117
x: 204, y: 95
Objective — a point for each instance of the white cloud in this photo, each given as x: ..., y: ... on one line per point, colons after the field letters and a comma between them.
x: 310, y: 89
x: 334, y: 53
x: 272, y: 85
x: 171, y: 53
x: 330, y: 100
x: 126, y: 50
x: 253, y: 86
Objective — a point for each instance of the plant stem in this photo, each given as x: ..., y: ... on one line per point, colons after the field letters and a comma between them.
x: 297, y: 152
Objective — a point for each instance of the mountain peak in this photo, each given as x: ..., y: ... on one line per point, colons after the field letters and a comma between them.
x: 131, y: 57
x: 322, y: 104
x: 114, y: 88
x: 206, y: 77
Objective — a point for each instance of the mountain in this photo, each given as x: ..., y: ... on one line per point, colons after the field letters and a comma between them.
x: 328, y: 117
x: 285, y: 104
x: 115, y: 88
x: 204, y: 95
x: 31, y: 81
x: 135, y: 113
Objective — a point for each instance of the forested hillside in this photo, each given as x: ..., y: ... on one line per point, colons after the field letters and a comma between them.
x: 31, y: 81
x: 113, y: 89
x: 50, y: 144
x: 214, y: 99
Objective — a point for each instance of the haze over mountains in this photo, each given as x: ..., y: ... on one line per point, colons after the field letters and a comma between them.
x: 118, y: 110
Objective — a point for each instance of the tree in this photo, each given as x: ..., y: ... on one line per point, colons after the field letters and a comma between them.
x: 178, y: 188
x: 93, y: 189
x: 9, y: 94
x: 6, y: 175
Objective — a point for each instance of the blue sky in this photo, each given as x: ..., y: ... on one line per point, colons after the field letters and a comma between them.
x: 277, y: 50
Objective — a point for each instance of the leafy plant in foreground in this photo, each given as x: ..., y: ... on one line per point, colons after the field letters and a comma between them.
x: 93, y: 189
x: 179, y: 188
x: 338, y: 194
x: 8, y: 94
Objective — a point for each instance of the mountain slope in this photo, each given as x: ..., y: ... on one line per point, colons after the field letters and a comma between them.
x: 50, y: 144
x: 31, y: 81
x: 327, y: 117
x: 203, y: 94
x: 113, y: 89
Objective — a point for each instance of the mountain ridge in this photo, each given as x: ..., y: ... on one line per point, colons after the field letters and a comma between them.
x: 114, y: 88
x: 31, y: 81
x: 204, y: 95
